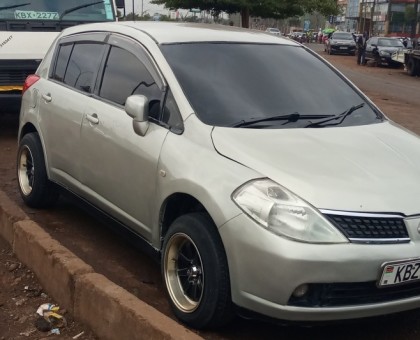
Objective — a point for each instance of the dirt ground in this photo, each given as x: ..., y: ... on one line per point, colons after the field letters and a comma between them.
x: 21, y: 294
x: 20, y: 297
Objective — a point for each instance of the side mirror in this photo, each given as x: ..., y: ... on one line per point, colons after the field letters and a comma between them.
x: 137, y: 107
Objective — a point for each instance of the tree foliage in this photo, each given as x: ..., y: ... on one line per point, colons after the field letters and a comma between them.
x: 277, y: 9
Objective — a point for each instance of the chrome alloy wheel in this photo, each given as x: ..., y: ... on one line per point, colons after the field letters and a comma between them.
x: 183, y: 271
x: 26, y: 171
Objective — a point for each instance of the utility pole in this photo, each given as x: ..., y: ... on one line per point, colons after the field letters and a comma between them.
x: 134, y: 17
x: 372, y: 12
x: 142, y: 8
x: 388, y: 18
x: 414, y: 25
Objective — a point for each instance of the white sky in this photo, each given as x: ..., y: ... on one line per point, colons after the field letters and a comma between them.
x: 147, y: 7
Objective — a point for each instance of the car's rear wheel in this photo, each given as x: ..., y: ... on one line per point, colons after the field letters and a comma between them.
x: 195, y: 271
x: 35, y: 188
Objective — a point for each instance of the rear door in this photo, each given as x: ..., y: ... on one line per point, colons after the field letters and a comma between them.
x: 119, y: 167
x: 63, y: 99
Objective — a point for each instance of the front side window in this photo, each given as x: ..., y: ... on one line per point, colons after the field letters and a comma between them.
x: 227, y: 84
x: 125, y: 75
x: 83, y: 66
x: 55, y: 10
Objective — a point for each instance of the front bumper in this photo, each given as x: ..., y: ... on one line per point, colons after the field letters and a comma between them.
x: 343, y: 48
x: 265, y: 269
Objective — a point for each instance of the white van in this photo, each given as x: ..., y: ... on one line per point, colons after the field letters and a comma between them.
x: 27, y: 29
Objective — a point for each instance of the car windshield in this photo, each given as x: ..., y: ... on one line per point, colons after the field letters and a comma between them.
x: 229, y: 83
x: 342, y: 36
x: 390, y: 42
x: 68, y: 10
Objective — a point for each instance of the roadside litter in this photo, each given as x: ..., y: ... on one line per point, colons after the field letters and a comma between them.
x: 49, y: 320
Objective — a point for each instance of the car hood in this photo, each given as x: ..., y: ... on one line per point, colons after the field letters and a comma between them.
x: 25, y: 45
x: 372, y: 168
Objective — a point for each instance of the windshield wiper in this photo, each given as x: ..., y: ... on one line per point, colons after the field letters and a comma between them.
x: 72, y: 9
x: 340, y: 116
x: 14, y: 6
x: 290, y: 118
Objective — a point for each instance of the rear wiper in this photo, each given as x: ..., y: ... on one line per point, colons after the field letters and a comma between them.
x: 72, y: 9
x: 290, y: 118
x: 340, y: 116
x: 14, y: 6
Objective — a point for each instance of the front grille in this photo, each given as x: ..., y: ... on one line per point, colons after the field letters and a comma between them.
x: 371, y: 229
x: 351, y: 294
x: 14, y: 72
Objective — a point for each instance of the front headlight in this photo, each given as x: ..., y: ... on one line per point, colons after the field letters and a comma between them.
x: 384, y: 53
x: 285, y: 214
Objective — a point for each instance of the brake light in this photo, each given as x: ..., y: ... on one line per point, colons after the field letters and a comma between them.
x: 30, y: 80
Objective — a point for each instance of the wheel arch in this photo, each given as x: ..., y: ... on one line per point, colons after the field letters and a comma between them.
x: 176, y: 205
x: 27, y: 128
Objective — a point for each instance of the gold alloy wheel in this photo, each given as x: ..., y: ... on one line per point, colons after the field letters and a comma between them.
x: 26, y: 171
x: 183, y: 271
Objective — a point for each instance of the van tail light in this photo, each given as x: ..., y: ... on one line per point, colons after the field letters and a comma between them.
x: 30, y: 80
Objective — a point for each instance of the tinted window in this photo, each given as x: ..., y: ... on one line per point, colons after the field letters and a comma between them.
x: 230, y: 83
x: 171, y: 114
x: 390, y: 42
x: 83, y: 66
x: 126, y: 75
x: 342, y: 36
x: 62, y: 61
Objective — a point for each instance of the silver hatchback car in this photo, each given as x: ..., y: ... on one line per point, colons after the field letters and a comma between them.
x: 218, y: 148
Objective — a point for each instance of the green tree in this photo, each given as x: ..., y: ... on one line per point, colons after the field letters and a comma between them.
x: 277, y: 9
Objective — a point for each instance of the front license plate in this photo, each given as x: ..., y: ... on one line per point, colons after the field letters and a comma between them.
x: 400, y: 272
x: 343, y: 48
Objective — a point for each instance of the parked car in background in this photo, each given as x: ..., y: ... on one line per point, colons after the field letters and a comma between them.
x: 380, y: 49
x: 253, y: 196
x: 340, y: 43
x: 273, y: 30
x: 298, y: 36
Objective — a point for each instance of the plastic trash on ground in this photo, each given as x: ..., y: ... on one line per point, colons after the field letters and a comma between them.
x: 49, y: 319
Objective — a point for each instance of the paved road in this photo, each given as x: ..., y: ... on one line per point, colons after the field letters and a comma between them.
x: 128, y: 267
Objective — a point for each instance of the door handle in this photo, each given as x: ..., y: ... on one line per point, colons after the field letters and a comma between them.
x: 93, y: 118
x: 47, y: 97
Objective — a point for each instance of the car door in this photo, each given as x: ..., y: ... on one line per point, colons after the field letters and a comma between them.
x: 63, y: 98
x: 119, y: 167
x: 370, y: 46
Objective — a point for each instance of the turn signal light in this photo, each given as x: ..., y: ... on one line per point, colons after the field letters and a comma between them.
x: 30, y: 80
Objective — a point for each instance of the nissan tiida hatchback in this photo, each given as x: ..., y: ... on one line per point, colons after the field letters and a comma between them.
x: 256, y: 198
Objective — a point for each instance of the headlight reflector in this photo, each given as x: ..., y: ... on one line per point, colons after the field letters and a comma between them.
x: 284, y: 213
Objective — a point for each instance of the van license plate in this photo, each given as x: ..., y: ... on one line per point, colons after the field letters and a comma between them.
x: 400, y: 272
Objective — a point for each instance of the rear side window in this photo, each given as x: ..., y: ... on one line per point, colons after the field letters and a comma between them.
x: 125, y: 75
x: 82, y: 67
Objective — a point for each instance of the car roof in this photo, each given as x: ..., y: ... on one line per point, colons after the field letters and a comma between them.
x: 169, y: 32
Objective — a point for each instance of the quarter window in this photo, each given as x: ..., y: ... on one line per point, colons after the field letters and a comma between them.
x: 125, y: 75
x: 62, y: 61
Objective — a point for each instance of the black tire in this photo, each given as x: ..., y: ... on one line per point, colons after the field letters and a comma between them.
x: 195, y: 272
x: 35, y: 188
x: 412, y: 67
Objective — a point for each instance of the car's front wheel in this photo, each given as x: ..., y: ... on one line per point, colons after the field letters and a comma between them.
x: 195, y: 271
x: 35, y: 188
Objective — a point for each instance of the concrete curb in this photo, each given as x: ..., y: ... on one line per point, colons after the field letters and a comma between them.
x: 109, y: 310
